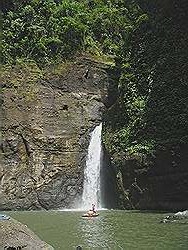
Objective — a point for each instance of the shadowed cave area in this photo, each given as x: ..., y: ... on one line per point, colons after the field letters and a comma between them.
x: 109, y: 197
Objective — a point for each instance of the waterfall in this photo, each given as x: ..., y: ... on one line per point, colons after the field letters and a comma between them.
x: 91, y: 189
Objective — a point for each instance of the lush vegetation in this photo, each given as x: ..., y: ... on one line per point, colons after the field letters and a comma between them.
x: 151, y: 109
x: 47, y: 31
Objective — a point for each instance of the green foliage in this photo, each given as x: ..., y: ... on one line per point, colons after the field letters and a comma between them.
x: 47, y: 31
x: 42, y: 30
x: 151, y: 107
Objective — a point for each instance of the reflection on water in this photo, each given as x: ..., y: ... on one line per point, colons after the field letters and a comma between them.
x: 97, y: 232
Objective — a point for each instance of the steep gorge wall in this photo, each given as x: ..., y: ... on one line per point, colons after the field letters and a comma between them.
x: 148, y: 142
x: 46, y: 121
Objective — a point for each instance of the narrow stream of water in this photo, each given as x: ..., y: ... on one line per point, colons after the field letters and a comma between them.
x: 91, y: 188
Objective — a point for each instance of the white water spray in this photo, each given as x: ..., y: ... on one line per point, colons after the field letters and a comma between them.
x: 91, y: 189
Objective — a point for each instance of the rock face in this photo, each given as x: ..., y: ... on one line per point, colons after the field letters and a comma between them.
x: 160, y: 186
x: 180, y: 217
x: 148, y: 140
x: 14, y: 235
x: 46, y: 121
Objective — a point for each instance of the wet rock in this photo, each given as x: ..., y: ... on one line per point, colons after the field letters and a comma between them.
x: 157, y: 185
x: 14, y: 235
x: 46, y: 122
x: 181, y: 217
x: 183, y: 214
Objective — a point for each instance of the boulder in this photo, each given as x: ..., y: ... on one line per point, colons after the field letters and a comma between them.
x: 14, y: 235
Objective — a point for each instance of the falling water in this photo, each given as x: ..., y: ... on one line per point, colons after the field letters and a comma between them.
x: 91, y: 189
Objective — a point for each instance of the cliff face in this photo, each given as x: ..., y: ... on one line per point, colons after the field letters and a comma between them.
x: 149, y: 142
x: 161, y: 185
x: 14, y: 235
x: 46, y: 121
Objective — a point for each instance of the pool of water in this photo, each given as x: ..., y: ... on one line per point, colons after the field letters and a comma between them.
x: 111, y: 230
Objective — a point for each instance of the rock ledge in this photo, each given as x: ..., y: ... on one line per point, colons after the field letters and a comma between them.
x: 14, y: 235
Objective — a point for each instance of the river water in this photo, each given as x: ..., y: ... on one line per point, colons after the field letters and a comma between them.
x: 111, y: 230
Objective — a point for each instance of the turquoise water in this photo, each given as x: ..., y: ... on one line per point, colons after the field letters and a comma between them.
x: 111, y: 230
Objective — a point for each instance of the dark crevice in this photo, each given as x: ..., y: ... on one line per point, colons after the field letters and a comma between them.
x: 26, y: 144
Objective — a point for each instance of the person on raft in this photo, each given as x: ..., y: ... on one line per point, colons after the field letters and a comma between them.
x: 93, y: 208
x: 92, y: 211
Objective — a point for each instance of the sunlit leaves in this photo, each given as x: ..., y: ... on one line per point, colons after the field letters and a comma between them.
x: 56, y: 29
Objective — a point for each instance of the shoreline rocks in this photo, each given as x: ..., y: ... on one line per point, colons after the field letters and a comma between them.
x: 15, y: 235
x: 177, y: 217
